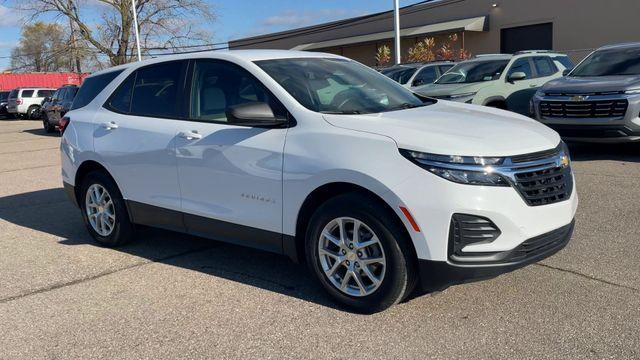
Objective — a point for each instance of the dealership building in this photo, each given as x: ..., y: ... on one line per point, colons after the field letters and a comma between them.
x: 480, y: 27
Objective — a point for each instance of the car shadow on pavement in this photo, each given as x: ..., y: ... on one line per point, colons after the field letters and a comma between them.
x: 56, y: 216
x: 629, y: 152
x: 41, y: 132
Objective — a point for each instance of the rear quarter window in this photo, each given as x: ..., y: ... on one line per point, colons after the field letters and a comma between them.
x: 44, y: 93
x: 26, y: 93
x: 565, y: 61
x: 92, y: 87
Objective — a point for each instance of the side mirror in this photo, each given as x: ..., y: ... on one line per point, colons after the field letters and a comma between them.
x: 517, y: 76
x: 256, y: 114
x: 566, y: 72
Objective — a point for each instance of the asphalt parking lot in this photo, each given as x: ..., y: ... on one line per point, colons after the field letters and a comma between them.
x: 169, y: 295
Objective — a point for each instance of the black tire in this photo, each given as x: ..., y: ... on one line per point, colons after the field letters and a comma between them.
x: 31, y: 112
x: 48, y: 128
x: 123, y: 229
x: 400, y: 273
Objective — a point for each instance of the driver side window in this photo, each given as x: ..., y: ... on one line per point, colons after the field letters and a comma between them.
x: 521, y: 65
x: 218, y: 85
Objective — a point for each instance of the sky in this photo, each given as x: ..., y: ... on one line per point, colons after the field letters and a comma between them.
x: 235, y: 18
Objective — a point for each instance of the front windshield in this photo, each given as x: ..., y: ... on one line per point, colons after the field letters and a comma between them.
x: 401, y: 75
x: 4, y: 96
x: 609, y: 63
x: 474, y: 71
x: 339, y: 86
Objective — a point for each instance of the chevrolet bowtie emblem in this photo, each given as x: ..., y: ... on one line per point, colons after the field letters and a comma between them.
x: 579, y: 98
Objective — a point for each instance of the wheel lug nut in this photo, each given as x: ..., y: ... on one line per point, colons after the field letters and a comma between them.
x: 359, y: 253
x: 344, y: 252
x: 348, y: 263
x: 350, y: 246
x: 357, y: 264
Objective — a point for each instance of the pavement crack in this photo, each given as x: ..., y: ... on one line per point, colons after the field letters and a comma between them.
x: 100, y: 275
x: 588, y: 277
x: 28, y: 168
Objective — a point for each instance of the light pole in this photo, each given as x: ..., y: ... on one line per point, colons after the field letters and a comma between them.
x: 396, y: 25
x: 135, y: 26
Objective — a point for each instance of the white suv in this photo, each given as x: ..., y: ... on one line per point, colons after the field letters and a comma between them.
x: 502, y: 81
x: 26, y: 101
x: 320, y: 158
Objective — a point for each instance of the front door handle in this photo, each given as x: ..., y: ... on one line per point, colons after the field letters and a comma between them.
x: 190, y: 135
x: 109, y: 125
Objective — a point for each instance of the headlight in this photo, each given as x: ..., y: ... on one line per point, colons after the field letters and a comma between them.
x: 467, y: 97
x: 470, y: 170
x: 540, y: 93
x: 633, y: 91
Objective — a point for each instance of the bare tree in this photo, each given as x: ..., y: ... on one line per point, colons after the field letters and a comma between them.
x: 163, y: 24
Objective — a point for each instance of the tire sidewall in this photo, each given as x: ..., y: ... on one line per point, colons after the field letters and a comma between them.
x: 122, y: 228
x: 395, y: 282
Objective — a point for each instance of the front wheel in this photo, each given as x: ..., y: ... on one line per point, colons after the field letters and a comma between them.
x: 359, y: 254
x: 31, y: 112
x: 104, y: 210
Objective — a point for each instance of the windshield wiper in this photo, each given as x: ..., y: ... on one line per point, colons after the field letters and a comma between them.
x: 345, y: 112
x: 405, y: 106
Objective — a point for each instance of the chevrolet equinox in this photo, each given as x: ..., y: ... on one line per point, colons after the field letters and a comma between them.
x: 320, y: 158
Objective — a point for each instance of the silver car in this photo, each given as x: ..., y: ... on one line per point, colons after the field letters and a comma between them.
x: 598, y: 101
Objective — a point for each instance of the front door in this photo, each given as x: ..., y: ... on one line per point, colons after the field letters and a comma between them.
x: 230, y: 176
x: 135, y: 134
x: 520, y: 92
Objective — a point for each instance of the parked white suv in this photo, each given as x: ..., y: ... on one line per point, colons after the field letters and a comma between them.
x: 26, y: 102
x: 320, y: 158
x: 502, y: 81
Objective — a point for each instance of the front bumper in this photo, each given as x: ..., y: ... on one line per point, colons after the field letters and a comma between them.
x: 438, y: 275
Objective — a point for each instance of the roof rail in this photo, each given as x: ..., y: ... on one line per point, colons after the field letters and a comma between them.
x: 491, y: 55
x: 533, y: 52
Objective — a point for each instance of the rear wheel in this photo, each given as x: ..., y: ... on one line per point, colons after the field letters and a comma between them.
x: 359, y: 255
x: 31, y: 112
x: 104, y: 210
x: 47, y: 125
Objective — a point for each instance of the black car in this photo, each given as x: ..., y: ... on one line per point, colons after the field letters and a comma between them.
x: 54, y: 107
x: 4, y: 99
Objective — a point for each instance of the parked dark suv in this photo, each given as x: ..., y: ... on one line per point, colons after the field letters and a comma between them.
x: 54, y: 108
x: 599, y: 100
x: 4, y: 99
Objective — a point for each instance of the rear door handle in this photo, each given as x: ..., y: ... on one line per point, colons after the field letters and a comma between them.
x: 109, y: 125
x: 190, y: 135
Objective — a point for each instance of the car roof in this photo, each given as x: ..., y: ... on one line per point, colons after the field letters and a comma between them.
x: 246, y: 55
x: 628, y: 45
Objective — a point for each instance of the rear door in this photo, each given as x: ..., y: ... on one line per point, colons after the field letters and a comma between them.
x: 135, y: 135
x: 230, y: 176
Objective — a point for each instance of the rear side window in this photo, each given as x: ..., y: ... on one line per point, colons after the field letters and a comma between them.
x: 158, y: 90
x: 92, y: 87
x: 44, y: 93
x: 544, y: 66
x: 71, y: 93
x: 120, y: 101
x: 27, y: 93
x: 426, y: 76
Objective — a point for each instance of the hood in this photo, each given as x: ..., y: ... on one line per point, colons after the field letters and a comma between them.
x: 582, y: 85
x: 437, y: 90
x: 455, y: 129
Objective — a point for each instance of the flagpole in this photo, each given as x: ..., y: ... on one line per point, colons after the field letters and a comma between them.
x: 135, y: 25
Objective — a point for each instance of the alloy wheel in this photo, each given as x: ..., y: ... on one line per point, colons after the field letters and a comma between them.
x: 352, y: 256
x: 100, y: 210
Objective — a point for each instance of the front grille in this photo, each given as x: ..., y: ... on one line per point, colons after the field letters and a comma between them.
x: 540, y: 155
x: 470, y: 229
x: 584, y: 109
x: 547, y: 186
x: 541, y: 244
